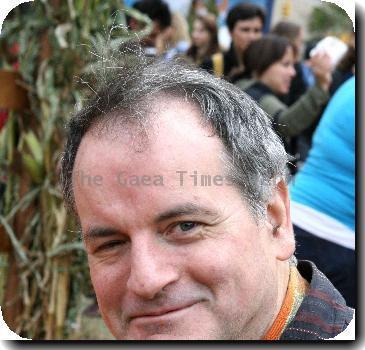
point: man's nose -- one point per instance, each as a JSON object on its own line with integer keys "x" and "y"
{"x": 151, "y": 269}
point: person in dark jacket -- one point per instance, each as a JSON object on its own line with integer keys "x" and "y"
{"x": 245, "y": 23}
{"x": 345, "y": 69}
{"x": 159, "y": 13}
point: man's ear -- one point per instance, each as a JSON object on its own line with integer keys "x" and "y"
{"x": 278, "y": 217}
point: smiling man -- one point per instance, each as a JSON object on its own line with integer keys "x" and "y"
{"x": 177, "y": 259}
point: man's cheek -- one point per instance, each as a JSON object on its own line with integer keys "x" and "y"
{"x": 211, "y": 272}
{"x": 107, "y": 285}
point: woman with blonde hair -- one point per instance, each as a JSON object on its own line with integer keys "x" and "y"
{"x": 175, "y": 41}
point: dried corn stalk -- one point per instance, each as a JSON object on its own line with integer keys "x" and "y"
{"x": 47, "y": 262}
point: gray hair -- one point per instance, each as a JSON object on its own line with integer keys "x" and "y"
{"x": 256, "y": 158}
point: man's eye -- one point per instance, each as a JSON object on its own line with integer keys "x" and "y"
{"x": 186, "y": 229}
{"x": 187, "y": 226}
{"x": 109, "y": 245}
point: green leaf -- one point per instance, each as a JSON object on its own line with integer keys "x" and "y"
{"x": 34, "y": 146}
{"x": 33, "y": 168}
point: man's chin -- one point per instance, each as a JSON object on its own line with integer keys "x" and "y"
{"x": 201, "y": 335}
{"x": 167, "y": 337}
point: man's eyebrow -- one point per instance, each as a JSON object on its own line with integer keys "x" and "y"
{"x": 98, "y": 232}
{"x": 95, "y": 232}
{"x": 185, "y": 209}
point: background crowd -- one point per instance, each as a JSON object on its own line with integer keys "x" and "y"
{"x": 307, "y": 88}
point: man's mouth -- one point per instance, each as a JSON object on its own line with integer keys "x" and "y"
{"x": 160, "y": 312}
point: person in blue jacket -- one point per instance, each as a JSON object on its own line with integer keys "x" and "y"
{"x": 323, "y": 195}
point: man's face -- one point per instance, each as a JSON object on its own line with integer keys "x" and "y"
{"x": 177, "y": 260}
{"x": 245, "y": 32}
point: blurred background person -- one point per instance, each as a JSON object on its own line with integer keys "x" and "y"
{"x": 159, "y": 12}
{"x": 204, "y": 39}
{"x": 303, "y": 79}
{"x": 323, "y": 195}
{"x": 245, "y": 23}
{"x": 345, "y": 69}
{"x": 271, "y": 60}
{"x": 199, "y": 7}
{"x": 294, "y": 34}
{"x": 175, "y": 40}
{"x": 181, "y": 6}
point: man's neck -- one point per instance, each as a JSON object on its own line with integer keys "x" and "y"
{"x": 296, "y": 290}
{"x": 283, "y": 282}
{"x": 270, "y": 309}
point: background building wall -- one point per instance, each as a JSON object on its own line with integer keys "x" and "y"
{"x": 297, "y": 11}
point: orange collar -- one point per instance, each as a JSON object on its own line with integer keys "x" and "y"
{"x": 294, "y": 295}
